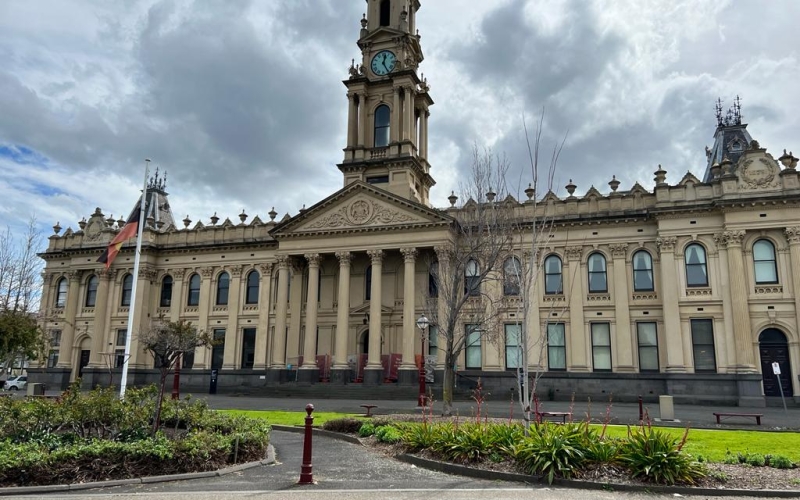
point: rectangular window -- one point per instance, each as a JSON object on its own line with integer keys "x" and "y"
{"x": 473, "y": 347}
{"x": 513, "y": 346}
{"x": 556, "y": 347}
{"x": 433, "y": 340}
{"x": 55, "y": 338}
{"x": 378, "y": 179}
{"x": 601, "y": 347}
{"x": 248, "y": 348}
{"x": 648, "y": 347}
{"x": 703, "y": 345}
{"x": 121, "y": 334}
{"x": 52, "y": 358}
{"x": 119, "y": 358}
{"x": 187, "y": 360}
{"x": 218, "y": 350}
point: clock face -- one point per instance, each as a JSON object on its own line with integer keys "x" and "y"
{"x": 383, "y": 62}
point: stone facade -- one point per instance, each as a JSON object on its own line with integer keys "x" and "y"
{"x": 690, "y": 289}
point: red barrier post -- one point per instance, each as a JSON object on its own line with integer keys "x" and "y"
{"x": 176, "y": 380}
{"x": 641, "y": 413}
{"x": 306, "y": 475}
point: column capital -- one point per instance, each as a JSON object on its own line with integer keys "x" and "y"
{"x": 147, "y": 273}
{"x": 666, "y": 243}
{"x": 443, "y": 252}
{"x": 207, "y": 272}
{"x": 793, "y": 234}
{"x": 344, "y": 258}
{"x": 74, "y": 275}
{"x": 375, "y": 255}
{"x": 265, "y": 268}
{"x": 313, "y": 259}
{"x": 236, "y": 271}
{"x": 574, "y": 253}
{"x": 283, "y": 262}
{"x": 729, "y": 238}
{"x": 104, "y": 274}
{"x": 618, "y": 250}
{"x": 409, "y": 254}
{"x": 178, "y": 274}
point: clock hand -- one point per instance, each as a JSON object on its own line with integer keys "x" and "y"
{"x": 383, "y": 63}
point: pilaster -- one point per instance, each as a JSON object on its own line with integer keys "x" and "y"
{"x": 745, "y": 358}
{"x": 232, "y": 337}
{"x": 577, "y": 328}
{"x": 264, "y": 306}
{"x": 66, "y": 355}
{"x": 375, "y": 320}
{"x": 100, "y": 314}
{"x": 625, "y": 346}
{"x": 281, "y": 310}
{"x": 669, "y": 298}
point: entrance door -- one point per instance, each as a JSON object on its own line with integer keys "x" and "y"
{"x": 84, "y": 361}
{"x": 773, "y": 348}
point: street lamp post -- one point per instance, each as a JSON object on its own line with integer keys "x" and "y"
{"x": 422, "y": 324}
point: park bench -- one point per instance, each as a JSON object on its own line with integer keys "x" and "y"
{"x": 369, "y": 409}
{"x": 563, "y": 415}
{"x": 757, "y": 416}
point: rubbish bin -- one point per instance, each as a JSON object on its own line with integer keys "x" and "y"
{"x": 35, "y": 390}
{"x": 212, "y": 389}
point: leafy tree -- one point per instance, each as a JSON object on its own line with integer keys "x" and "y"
{"x": 20, "y": 336}
{"x": 166, "y": 341}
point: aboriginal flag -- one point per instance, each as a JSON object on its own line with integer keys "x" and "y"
{"x": 128, "y": 231}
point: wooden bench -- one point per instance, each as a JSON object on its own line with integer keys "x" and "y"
{"x": 555, "y": 415}
{"x": 757, "y": 416}
{"x": 369, "y": 409}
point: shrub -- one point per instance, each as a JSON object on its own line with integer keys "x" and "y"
{"x": 657, "y": 456}
{"x": 469, "y": 443}
{"x": 504, "y": 436}
{"x": 780, "y": 462}
{"x": 346, "y": 425}
{"x": 604, "y": 451}
{"x": 552, "y": 450}
{"x": 417, "y": 437}
{"x": 387, "y": 434}
{"x": 366, "y": 430}
{"x": 756, "y": 460}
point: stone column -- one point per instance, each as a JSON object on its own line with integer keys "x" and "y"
{"x": 352, "y": 120}
{"x": 340, "y": 367}
{"x": 262, "y": 332}
{"x": 362, "y": 119}
{"x": 625, "y": 346}
{"x": 745, "y": 358}
{"x": 374, "y": 370}
{"x": 793, "y": 237}
{"x": 141, "y": 320}
{"x": 232, "y": 337}
{"x": 408, "y": 368}
{"x": 281, "y": 309}
{"x": 577, "y": 329}
{"x": 312, "y": 309}
{"x": 669, "y": 299}
{"x": 726, "y": 351}
{"x": 423, "y": 136}
{"x": 66, "y": 354}
{"x": 408, "y": 115}
{"x": 100, "y": 334}
{"x": 394, "y": 131}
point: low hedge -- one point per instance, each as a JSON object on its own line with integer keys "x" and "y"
{"x": 94, "y": 436}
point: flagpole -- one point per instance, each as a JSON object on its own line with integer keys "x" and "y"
{"x": 131, "y": 312}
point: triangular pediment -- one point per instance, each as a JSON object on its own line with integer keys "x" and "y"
{"x": 360, "y": 207}
{"x": 364, "y": 309}
{"x": 689, "y": 178}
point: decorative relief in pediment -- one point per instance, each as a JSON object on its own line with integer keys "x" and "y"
{"x": 359, "y": 213}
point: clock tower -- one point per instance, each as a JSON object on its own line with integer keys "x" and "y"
{"x": 388, "y": 102}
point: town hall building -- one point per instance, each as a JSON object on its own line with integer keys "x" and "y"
{"x": 691, "y": 288}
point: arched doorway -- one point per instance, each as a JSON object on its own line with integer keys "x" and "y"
{"x": 363, "y": 343}
{"x": 774, "y": 348}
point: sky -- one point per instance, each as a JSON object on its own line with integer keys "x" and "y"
{"x": 241, "y": 102}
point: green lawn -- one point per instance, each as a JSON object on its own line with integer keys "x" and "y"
{"x": 714, "y": 444}
{"x": 711, "y": 444}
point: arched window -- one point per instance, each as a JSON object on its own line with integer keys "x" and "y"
{"x": 512, "y": 276}
{"x": 91, "y": 291}
{"x": 223, "y": 285}
{"x": 643, "y": 272}
{"x": 553, "y": 284}
{"x": 127, "y": 288}
{"x": 472, "y": 278}
{"x": 368, "y": 283}
{"x": 382, "y": 115}
{"x": 433, "y": 279}
{"x": 764, "y": 260}
{"x": 696, "y": 271}
{"x": 166, "y": 292}
{"x": 193, "y": 297}
{"x": 386, "y": 11}
{"x": 61, "y": 292}
{"x": 251, "y": 297}
{"x": 597, "y": 274}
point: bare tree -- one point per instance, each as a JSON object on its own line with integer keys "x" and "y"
{"x": 166, "y": 341}
{"x": 463, "y": 295}
{"x": 20, "y": 336}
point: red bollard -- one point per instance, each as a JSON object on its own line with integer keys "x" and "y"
{"x": 641, "y": 413}
{"x": 306, "y": 476}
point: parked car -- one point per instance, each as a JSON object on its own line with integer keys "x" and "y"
{"x": 17, "y": 383}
